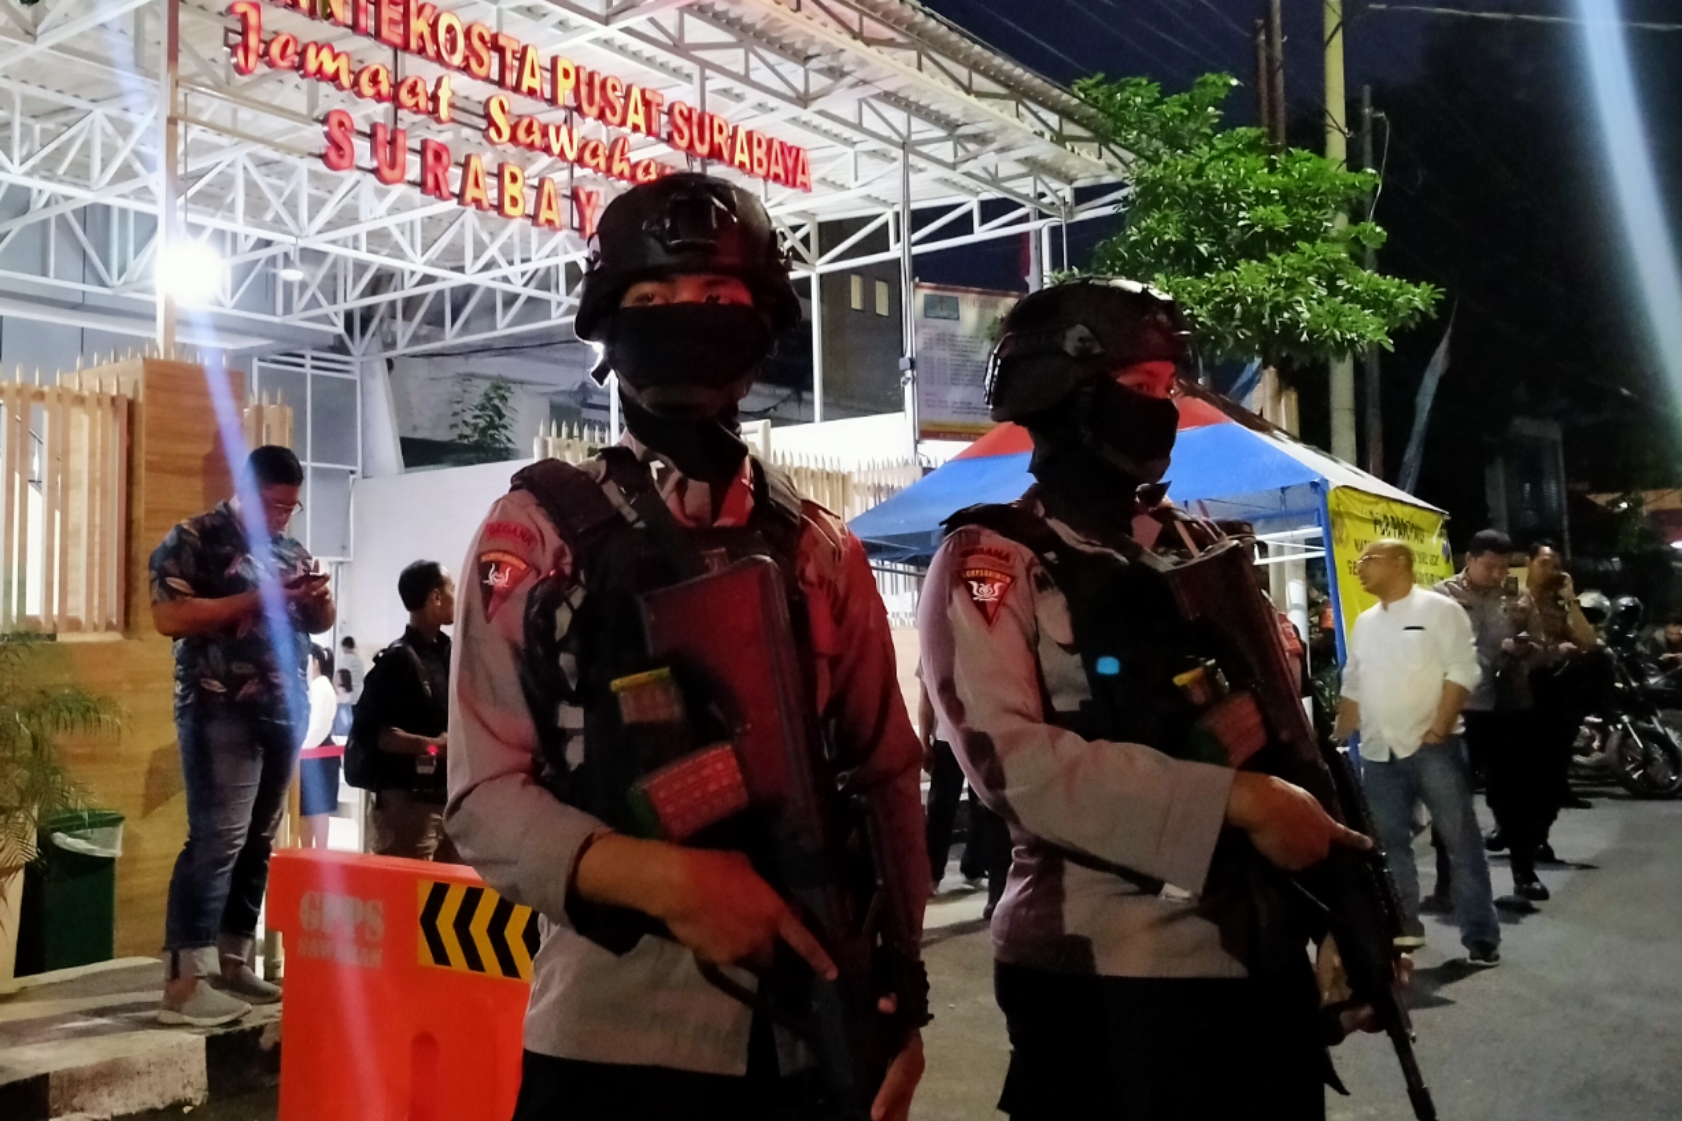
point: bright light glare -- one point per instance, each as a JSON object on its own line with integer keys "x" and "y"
{"x": 191, "y": 271}
{"x": 292, "y": 274}
{"x": 1677, "y": 545}
{"x": 1633, "y": 180}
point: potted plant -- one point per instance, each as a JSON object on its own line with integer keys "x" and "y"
{"x": 34, "y": 785}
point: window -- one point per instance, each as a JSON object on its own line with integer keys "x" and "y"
{"x": 882, "y": 305}
{"x": 857, "y": 293}
{"x": 939, "y": 307}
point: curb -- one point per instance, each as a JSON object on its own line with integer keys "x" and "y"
{"x": 149, "y": 1070}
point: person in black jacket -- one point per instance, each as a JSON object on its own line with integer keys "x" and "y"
{"x": 401, "y": 725}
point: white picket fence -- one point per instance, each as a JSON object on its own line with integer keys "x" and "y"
{"x": 64, "y": 462}
{"x": 847, "y": 491}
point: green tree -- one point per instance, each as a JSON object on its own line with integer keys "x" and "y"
{"x": 486, "y": 424}
{"x": 1246, "y": 237}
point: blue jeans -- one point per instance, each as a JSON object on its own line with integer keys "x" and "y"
{"x": 237, "y": 766}
{"x": 1440, "y": 776}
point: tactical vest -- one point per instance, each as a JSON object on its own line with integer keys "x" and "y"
{"x": 625, "y": 543}
{"x": 1128, "y": 632}
{"x": 1133, "y": 642}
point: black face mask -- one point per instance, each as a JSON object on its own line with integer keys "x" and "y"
{"x": 1097, "y": 449}
{"x": 1133, "y": 431}
{"x": 687, "y": 361}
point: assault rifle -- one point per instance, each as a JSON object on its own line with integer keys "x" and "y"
{"x": 1351, "y": 891}
{"x": 728, "y": 651}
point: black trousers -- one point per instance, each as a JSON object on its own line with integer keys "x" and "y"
{"x": 1149, "y": 1049}
{"x": 1522, "y": 791}
{"x": 554, "y": 1089}
{"x": 987, "y": 850}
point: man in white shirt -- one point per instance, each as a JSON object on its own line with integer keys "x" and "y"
{"x": 1411, "y": 667}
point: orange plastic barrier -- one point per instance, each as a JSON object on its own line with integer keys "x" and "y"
{"x": 406, "y": 987}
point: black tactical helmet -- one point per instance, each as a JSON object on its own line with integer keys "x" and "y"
{"x": 1060, "y": 337}
{"x": 684, "y": 223}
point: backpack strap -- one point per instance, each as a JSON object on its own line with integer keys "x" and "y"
{"x": 574, "y": 501}
{"x": 1014, "y": 521}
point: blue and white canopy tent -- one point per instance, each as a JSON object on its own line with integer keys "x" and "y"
{"x": 1228, "y": 464}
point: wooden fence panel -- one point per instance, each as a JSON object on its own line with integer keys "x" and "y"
{"x": 63, "y": 468}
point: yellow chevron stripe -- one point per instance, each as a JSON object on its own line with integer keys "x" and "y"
{"x": 423, "y": 888}
{"x": 480, "y": 925}
{"x": 447, "y": 925}
{"x": 516, "y": 944}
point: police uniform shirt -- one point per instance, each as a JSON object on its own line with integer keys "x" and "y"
{"x": 651, "y": 1006}
{"x": 999, "y": 661}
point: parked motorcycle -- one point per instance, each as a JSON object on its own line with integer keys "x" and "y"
{"x": 1634, "y": 733}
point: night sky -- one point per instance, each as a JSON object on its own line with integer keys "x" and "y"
{"x": 1173, "y": 41}
{"x": 1497, "y": 190}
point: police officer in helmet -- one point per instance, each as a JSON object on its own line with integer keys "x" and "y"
{"x": 684, "y": 293}
{"x": 1121, "y": 979}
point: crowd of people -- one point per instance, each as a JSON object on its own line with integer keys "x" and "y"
{"x": 1132, "y": 863}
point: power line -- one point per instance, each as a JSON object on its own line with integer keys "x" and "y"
{"x": 1521, "y": 17}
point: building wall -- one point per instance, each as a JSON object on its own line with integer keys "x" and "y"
{"x": 176, "y": 470}
{"x": 422, "y": 515}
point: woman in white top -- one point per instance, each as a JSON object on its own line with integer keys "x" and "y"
{"x": 318, "y": 766}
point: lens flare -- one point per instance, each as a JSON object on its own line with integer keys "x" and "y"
{"x": 1633, "y": 181}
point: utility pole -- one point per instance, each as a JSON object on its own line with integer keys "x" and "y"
{"x": 1337, "y": 151}
{"x": 1375, "y": 405}
{"x": 1276, "y": 73}
{"x": 1264, "y": 80}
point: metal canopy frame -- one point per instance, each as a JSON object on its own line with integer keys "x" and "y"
{"x": 897, "y": 109}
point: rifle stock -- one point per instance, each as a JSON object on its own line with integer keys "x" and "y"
{"x": 1216, "y": 591}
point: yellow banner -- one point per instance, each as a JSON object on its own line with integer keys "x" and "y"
{"x": 1358, "y": 519}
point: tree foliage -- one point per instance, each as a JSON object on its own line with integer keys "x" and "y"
{"x": 486, "y": 424}
{"x": 1243, "y": 236}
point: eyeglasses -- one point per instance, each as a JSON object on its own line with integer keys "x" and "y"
{"x": 288, "y": 508}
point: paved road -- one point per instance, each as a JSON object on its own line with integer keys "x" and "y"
{"x": 1583, "y": 1019}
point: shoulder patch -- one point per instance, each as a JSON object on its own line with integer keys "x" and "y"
{"x": 987, "y": 583}
{"x": 509, "y": 531}
{"x": 499, "y": 574}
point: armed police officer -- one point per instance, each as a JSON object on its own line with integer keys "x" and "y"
{"x": 643, "y": 1002}
{"x": 1131, "y": 987}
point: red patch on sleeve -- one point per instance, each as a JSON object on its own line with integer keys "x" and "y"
{"x": 513, "y": 531}
{"x": 499, "y": 575}
{"x": 987, "y": 588}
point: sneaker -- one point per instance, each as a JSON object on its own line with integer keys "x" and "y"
{"x": 1494, "y": 842}
{"x": 1532, "y": 889}
{"x": 1483, "y": 955}
{"x": 247, "y": 986}
{"x": 206, "y": 1008}
{"x": 1412, "y": 936}
{"x": 1435, "y": 904}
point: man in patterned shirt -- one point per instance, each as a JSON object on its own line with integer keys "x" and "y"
{"x": 241, "y": 618}
{"x": 637, "y": 1008}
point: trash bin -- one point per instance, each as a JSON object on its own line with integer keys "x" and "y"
{"x": 70, "y": 893}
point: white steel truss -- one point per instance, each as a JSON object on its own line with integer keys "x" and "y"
{"x": 865, "y": 86}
